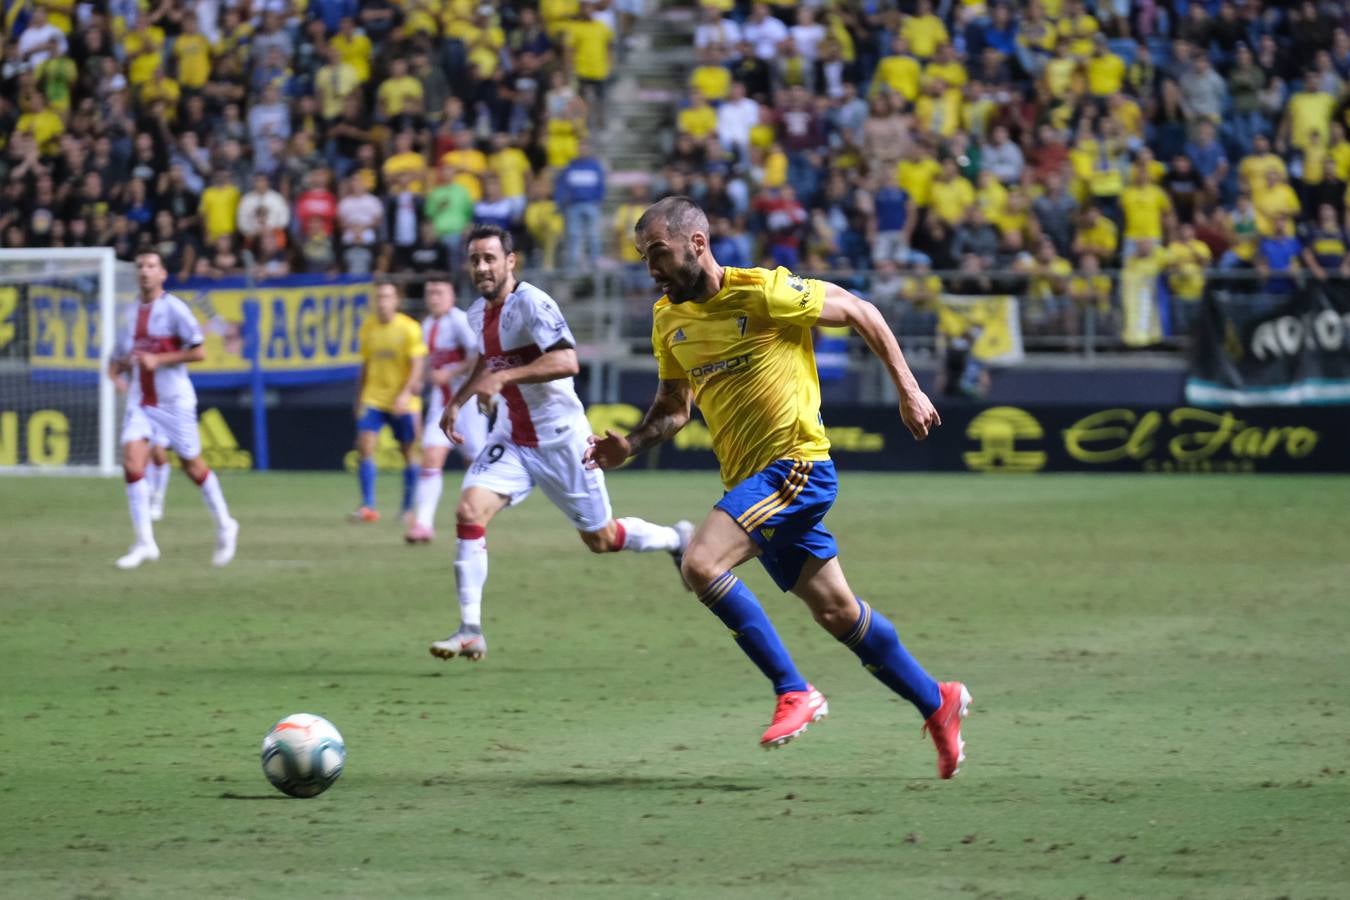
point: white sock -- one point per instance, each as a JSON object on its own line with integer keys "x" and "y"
{"x": 158, "y": 476}
{"x": 215, "y": 500}
{"x": 428, "y": 494}
{"x": 138, "y": 501}
{"x": 471, "y": 569}
{"x": 642, "y": 536}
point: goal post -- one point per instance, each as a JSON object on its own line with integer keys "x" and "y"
{"x": 58, "y": 321}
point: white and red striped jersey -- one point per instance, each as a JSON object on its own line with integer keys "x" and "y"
{"x": 160, "y": 326}
{"x": 516, "y": 333}
{"x": 450, "y": 340}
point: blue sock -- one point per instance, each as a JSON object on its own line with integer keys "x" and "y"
{"x": 365, "y": 473}
{"x": 874, "y": 639}
{"x": 409, "y": 486}
{"x": 732, "y": 602}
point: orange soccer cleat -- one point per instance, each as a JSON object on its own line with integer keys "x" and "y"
{"x": 945, "y": 727}
{"x": 795, "y": 711}
{"x": 365, "y": 514}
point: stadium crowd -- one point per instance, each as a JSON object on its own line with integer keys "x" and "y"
{"x": 1058, "y": 139}
{"x": 279, "y": 137}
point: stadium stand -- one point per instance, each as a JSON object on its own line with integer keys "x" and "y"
{"x": 1031, "y": 146}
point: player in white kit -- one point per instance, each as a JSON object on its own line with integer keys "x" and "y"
{"x": 154, "y": 346}
{"x": 452, "y": 350}
{"x": 527, "y": 357}
{"x": 157, "y": 472}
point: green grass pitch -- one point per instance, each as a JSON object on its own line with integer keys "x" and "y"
{"x": 1159, "y": 668}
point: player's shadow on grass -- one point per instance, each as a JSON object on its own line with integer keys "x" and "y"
{"x": 231, "y": 795}
{"x": 640, "y": 782}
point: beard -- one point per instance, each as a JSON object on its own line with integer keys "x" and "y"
{"x": 689, "y": 283}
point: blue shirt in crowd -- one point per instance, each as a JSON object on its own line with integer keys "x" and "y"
{"x": 583, "y": 181}
{"x": 892, "y": 206}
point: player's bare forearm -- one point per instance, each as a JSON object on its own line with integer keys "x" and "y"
{"x": 447, "y": 374}
{"x": 843, "y": 309}
{"x": 465, "y": 392}
{"x": 669, "y": 413}
{"x": 552, "y": 365}
{"x": 190, "y": 355}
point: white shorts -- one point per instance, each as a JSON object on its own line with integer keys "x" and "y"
{"x": 472, "y": 424}
{"x": 504, "y": 467}
{"x": 164, "y": 426}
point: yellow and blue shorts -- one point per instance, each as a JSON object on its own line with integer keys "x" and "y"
{"x": 782, "y": 508}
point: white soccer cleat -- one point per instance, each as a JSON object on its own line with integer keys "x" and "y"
{"x": 138, "y": 554}
{"x": 470, "y": 645}
{"x": 227, "y": 536}
{"x": 685, "y": 529}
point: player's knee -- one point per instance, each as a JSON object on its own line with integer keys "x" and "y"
{"x": 838, "y": 617}
{"x": 698, "y": 571}
{"x": 467, "y": 513}
{"x": 132, "y": 473}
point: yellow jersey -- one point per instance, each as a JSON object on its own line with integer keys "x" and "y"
{"x": 747, "y": 352}
{"x": 1310, "y": 118}
{"x": 713, "y": 82}
{"x": 1188, "y": 261}
{"x": 924, "y": 34}
{"x": 1144, "y": 208}
{"x": 355, "y": 51}
{"x": 1105, "y": 74}
{"x": 193, "y": 55}
{"x": 900, "y": 74}
{"x": 218, "y": 207}
{"x": 590, "y": 42}
{"x": 951, "y": 200}
{"x": 388, "y": 351}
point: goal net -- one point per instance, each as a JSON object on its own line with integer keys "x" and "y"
{"x": 58, "y": 312}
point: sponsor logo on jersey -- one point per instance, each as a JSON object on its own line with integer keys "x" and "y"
{"x": 505, "y": 361}
{"x": 734, "y": 364}
{"x": 679, "y": 335}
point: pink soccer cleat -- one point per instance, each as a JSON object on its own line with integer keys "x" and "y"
{"x": 795, "y": 711}
{"x": 944, "y": 726}
{"x": 418, "y": 534}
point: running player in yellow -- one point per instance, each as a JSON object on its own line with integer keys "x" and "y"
{"x": 387, "y": 392}
{"x": 738, "y": 342}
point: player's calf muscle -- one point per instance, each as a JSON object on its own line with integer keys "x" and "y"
{"x": 601, "y": 541}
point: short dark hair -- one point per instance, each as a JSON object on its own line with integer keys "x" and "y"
{"x": 483, "y": 232}
{"x": 679, "y": 214}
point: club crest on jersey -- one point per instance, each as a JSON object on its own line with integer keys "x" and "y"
{"x": 679, "y": 335}
{"x": 796, "y": 283}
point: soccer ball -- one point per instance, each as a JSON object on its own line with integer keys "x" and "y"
{"x": 302, "y": 755}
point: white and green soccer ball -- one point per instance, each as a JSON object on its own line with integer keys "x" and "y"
{"x": 303, "y": 755}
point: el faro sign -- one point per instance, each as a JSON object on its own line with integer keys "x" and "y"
{"x": 1182, "y": 439}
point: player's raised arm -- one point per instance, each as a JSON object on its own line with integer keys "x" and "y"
{"x": 842, "y": 308}
{"x": 668, "y": 414}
